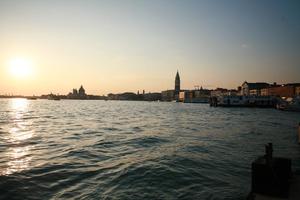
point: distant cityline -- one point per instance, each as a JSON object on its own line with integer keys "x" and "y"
{"x": 197, "y": 95}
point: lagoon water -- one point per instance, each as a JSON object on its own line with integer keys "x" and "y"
{"x": 72, "y": 149}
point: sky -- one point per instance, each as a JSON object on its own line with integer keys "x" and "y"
{"x": 130, "y": 45}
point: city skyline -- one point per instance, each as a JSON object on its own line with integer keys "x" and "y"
{"x": 118, "y": 46}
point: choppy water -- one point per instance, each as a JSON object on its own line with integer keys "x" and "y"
{"x": 135, "y": 150}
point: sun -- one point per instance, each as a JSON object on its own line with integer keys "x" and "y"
{"x": 20, "y": 67}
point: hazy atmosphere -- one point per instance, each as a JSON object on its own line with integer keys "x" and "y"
{"x": 118, "y": 46}
{"x": 149, "y": 99}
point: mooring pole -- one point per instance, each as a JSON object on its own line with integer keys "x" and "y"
{"x": 299, "y": 133}
{"x": 269, "y": 153}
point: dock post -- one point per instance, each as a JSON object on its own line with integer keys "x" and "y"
{"x": 271, "y": 175}
{"x": 299, "y": 133}
{"x": 269, "y": 153}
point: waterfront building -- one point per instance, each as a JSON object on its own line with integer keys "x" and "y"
{"x": 167, "y": 95}
{"x": 112, "y": 96}
{"x": 286, "y": 90}
{"x": 171, "y": 95}
{"x": 264, "y": 92}
{"x": 255, "y": 92}
{"x": 75, "y": 92}
{"x": 130, "y": 96}
{"x": 239, "y": 90}
{"x": 127, "y": 96}
{"x": 194, "y": 96}
{"x": 218, "y": 92}
{"x": 78, "y": 94}
{"x": 81, "y": 92}
{"x": 223, "y": 92}
{"x": 233, "y": 92}
{"x": 254, "y": 88}
{"x": 297, "y": 91}
{"x": 152, "y": 96}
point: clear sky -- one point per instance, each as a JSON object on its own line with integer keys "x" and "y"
{"x": 117, "y": 46}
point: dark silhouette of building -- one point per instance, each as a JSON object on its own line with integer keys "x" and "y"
{"x": 167, "y": 95}
{"x": 129, "y": 96}
{"x": 177, "y": 86}
{"x": 171, "y": 95}
{"x": 198, "y": 95}
{"x": 78, "y": 94}
{"x": 81, "y": 92}
{"x": 75, "y": 92}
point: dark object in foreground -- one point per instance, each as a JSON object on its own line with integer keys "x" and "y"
{"x": 299, "y": 133}
{"x": 270, "y": 175}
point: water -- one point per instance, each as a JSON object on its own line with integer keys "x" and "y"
{"x": 135, "y": 150}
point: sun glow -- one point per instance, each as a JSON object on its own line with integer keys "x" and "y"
{"x": 20, "y": 67}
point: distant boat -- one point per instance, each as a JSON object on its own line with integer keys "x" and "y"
{"x": 289, "y": 104}
{"x": 243, "y": 101}
{"x": 31, "y": 98}
{"x": 56, "y": 98}
{"x": 196, "y": 100}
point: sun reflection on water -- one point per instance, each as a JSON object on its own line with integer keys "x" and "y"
{"x": 19, "y": 152}
{"x": 19, "y": 104}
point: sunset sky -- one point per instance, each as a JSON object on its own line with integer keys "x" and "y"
{"x": 117, "y": 46}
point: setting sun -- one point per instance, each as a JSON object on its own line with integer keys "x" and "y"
{"x": 20, "y": 67}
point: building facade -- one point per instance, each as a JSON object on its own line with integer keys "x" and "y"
{"x": 286, "y": 90}
{"x": 78, "y": 94}
{"x": 264, "y": 92}
{"x": 194, "y": 96}
{"x": 167, "y": 95}
{"x": 223, "y": 92}
{"x": 81, "y": 92}
{"x": 254, "y": 88}
{"x": 255, "y": 92}
{"x": 297, "y": 91}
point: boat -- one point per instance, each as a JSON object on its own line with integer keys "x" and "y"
{"x": 273, "y": 178}
{"x": 289, "y": 104}
{"x": 243, "y": 101}
{"x": 31, "y": 98}
{"x": 53, "y": 97}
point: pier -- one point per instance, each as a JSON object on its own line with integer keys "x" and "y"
{"x": 243, "y": 101}
{"x": 272, "y": 178}
{"x": 299, "y": 133}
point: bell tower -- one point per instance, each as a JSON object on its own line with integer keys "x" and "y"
{"x": 177, "y": 85}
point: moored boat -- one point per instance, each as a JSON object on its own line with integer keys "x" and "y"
{"x": 31, "y": 98}
{"x": 289, "y": 104}
{"x": 243, "y": 101}
{"x": 53, "y": 97}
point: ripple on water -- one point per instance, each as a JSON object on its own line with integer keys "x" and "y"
{"x": 146, "y": 141}
{"x": 120, "y": 150}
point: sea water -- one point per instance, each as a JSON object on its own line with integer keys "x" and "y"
{"x": 73, "y": 149}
